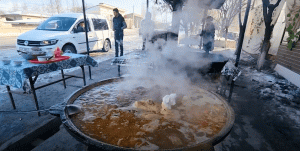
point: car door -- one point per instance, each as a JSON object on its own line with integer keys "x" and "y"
{"x": 105, "y": 29}
{"x": 79, "y": 36}
{"x": 101, "y": 34}
{"x": 92, "y": 37}
{"x": 98, "y": 32}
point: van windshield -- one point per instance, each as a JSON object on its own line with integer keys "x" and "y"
{"x": 57, "y": 24}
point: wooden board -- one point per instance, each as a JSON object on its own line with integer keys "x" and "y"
{"x": 289, "y": 58}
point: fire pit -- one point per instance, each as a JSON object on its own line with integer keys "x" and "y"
{"x": 114, "y": 120}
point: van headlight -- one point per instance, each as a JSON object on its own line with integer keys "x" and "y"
{"x": 48, "y": 42}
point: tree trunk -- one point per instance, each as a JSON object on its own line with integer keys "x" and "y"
{"x": 176, "y": 21}
{"x": 265, "y": 47}
{"x": 186, "y": 27}
{"x": 268, "y": 11}
{"x": 266, "y": 44}
{"x": 263, "y": 55}
{"x": 226, "y": 33}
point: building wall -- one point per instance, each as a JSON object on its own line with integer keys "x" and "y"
{"x": 255, "y": 29}
{"x": 22, "y": 17}
{"x": 108, "y": 13}
{"x": 15, "y": 30}
{"x": 32, "y": 17}
{"x": 137, "y": 21}
{"x": 289, "y": 58}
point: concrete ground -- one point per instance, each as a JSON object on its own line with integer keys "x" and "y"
{"x": 258, "y": 126}
{"x": 20, "y": 122}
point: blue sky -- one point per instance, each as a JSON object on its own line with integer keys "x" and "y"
{"x": 125, "y": 4}
{"x": 6, "y": 5}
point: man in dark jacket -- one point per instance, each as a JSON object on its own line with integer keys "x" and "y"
{"x": 208, "y": 35}
{"x": 119, "y": 25}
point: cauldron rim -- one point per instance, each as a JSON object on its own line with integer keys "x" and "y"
{"x": 89, "y": 141}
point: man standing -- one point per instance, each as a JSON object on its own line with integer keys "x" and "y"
{"x": 208, "y": 35}
{"x": 119, "y": 25}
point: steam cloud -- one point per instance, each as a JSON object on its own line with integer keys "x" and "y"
{"x": 169, "y": 64}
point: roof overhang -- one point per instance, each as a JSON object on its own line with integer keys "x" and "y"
{"x": 111, "y": 7}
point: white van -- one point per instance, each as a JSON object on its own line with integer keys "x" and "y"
{"x": 64, "y": 31}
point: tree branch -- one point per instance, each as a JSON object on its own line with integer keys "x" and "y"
{"x": 266, "y": 2}
{"x": 278, "y": 2}
{"x": 265, "y": 12}
{"x": 273, "y": 6}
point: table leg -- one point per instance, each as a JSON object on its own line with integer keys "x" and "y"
{"x": 34, "y": 95}
{"x": 63, "y": 76}
{"x": 83, "y": 74}
{"x": 90, "y": 72}
{"x": 11, "y": 97}
{"x": 119, "y": 70}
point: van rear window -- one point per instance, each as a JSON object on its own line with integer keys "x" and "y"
{"x": 100, "y": 24}
{"x": 57, "y": 24}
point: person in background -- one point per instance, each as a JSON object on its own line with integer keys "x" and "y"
{"x": 81, "y": 27}
{"x": 208, "y": 35}
{"x": 119, "y": 25}
{"x": 147, "y": 28}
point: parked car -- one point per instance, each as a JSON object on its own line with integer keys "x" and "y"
{"x": 64, "y": 31}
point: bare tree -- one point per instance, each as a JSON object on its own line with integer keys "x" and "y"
{"x": 77, "y": 8}
{"x": 24, "y": 8}
{"x": 55, "y": 7}
{"x": 268, "y": 10}
{"x": 58, "y": 6}
{"x": 227, "y": 14}
{"x": 154, "y": 13}
{"x": 144, "y": 9}
{"x": 51, "y": 7}
{"x": 15, "y": 7}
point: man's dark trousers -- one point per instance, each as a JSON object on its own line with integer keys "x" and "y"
{"x": 119, "y": 42}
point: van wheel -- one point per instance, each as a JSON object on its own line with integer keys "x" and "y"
{"x": 69, "y": 49}
{"x": 106, "y": 45}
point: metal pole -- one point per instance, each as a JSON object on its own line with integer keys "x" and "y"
{"x": 147, "y": 5}
{"x": 240, "y": 44}
{"x": 239, "y": 49}
{"x": 133, "y": 18}
{"x": 86, "y": 35}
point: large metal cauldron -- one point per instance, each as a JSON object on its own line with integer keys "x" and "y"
{"x": 93, "y": 143}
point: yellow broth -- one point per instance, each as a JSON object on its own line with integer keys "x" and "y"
{"x": 109, "y": 116}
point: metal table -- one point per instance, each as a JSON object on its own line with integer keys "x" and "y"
{"x": 16, "y": 76}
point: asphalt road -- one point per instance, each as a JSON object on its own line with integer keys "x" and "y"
{"x": 132, "y": 41}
